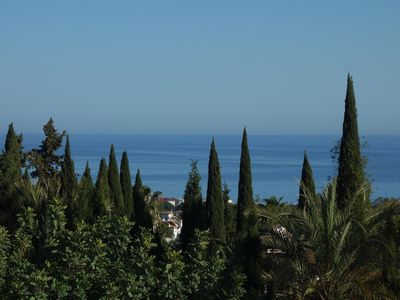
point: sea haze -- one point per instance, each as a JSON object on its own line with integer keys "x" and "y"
{"x": 164, "y": 160}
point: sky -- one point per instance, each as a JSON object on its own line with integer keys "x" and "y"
{"x": 191, "y": 67}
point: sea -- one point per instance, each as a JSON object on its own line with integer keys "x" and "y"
{"x": 276, "y": 160}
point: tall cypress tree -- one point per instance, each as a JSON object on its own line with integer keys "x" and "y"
{"x": 245, "y": 189}
{"x": 192, "y": 207}
{"x": 116, "y": 195}
{"x": 351, "y": 170}
{"x": 82, "y": 207}
{"x": 248, "y": 247}
{"x": 142, "y": 217}
{"x": 10, "y": 176}
{"x": 307, "y": 185}
{"x": 214, "y": 201}
{"x": 69, "y": 183}
{"x": 126, "y": 185}
{"x": 102, "y": 204}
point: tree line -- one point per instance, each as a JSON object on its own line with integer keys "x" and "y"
{"x": 67, "y": 238}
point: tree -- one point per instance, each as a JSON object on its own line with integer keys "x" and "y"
{"x": 307, "y": 185}
{"x": 192, "y": 207}
{"x": 152, "y": 206}
{"x": 229, "y": 216}
{"x": 204, "y": 272}
{"x": 69, "y": 183}
{"x": 245, "y": 190}
{"x": 248, "y": 244}
{"x": 215, "y": 202}
{"x": 114, "y": 183}
{"x": 45, "y": 160}
{"x": 141, "y": 216}
{"x": 126, "y": 185}
{"x": 351, "y": 176}
{"x": 102, "y": 205}
{"x": 82, "y": 207}
{"x": 10, "y": 175}
{"x": 317, "y": 253}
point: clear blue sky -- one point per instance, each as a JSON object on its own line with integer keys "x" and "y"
{"x": 198, "y": 66}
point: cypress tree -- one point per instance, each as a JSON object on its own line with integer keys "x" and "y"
{"x": 245, "y": 190}
{"x": 69, "y": 183}
{"x": 102, "y": 204}
{"x": 126, "y": 185}
{"x": 139, "y": 204}
{"x": 114, "y": 183}
{"x": 192, "y": 207}
{"x": 82, "y": 206}
{"x": 214, "y": 201}
{"x": 351, "y": 170}
{"x": 10, "y": 175}
{"x": 307, "y": 185}
{"x": 248, "y": 247}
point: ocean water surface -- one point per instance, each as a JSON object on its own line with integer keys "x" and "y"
{"x": 164, "y": 160}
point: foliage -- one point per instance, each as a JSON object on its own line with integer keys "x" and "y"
{"x": 192, "y": 209}
{"x": 152, "y": 206}
{"x": 245, "y": 190}
{"x": 69, "y": 183}
{"x": 326, "y": 252}
{"x": 273, "y": 202}
{"x": 102, "y": 204}
{"x": 248, "y": 255}
{"x": 204, "y": 272}
{"x": 103, "y": 260}
{"x": 307, "y": 185}
{"x": 214, "y": 202}
{"x": 45, "y": 161}
{"x": 142, "y": 216}
{"x": 273, "y": 250}
{"x": 114, "y": 183}
{"x": 126, "y": 185}
{"x": 82, "y": 206}
{"x": 229, "y": 217}
{"x": 11, "y": 199}
{"x": 351, "y": 177}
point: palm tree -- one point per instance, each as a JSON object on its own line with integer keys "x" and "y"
{"x": 328, "y": 253}
{"x": 152, "y": 200}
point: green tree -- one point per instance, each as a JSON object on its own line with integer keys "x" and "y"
{"x": 171, "y": 278}
{"x": 45, "y": 160}
{"x": 204, "y": 271}
{"x": 82, "y": 207}
{"x": 114, "y": 183}
{"x": 248, "y": 244}
{"x": 126, "y": 185}
{"x": 307, "y": 185}
{"x": 69, "y": 182}
{"x": 102, "y": 205}
{"x": 215, "y": 202}
{"x": 142, "y": 217}
{"x": 11, "y": 199}
{"x": 192, "y": 207}
{"x": 351, "y": 176}
{"x": 318, "y": 254}
{"x": 229, "y": 216}
{"x": 245, "y": 201}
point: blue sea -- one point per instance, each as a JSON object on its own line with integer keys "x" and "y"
{"x": 164, "y": 160}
